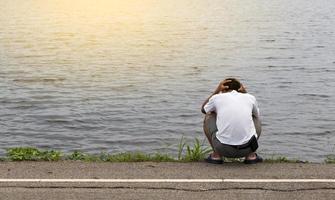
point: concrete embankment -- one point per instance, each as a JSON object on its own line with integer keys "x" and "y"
{"x": 102, "y": 180}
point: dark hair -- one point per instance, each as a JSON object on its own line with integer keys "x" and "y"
{"x": 234, "y": 84}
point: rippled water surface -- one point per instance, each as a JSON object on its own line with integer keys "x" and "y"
{"x": 110, "y": 75}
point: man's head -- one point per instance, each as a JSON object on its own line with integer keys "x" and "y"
{"x": 233, "y": 84}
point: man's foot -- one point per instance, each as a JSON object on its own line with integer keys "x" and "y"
{"x": 253, "y": 159}
{"x": 214, "y": 159}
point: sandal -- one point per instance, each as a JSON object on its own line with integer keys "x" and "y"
{"x": 209, "y": 159}
{"x": 254, "y": 161}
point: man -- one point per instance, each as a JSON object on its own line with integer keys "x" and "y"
{"x": 232, "y": 123}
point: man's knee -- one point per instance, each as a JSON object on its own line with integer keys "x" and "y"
{"x": 210, "y": 116}
{"x": 210, "y": 123}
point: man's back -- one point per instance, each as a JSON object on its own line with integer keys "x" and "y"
{"x": 234, "y": 116}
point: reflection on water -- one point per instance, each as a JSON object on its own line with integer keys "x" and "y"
{"x": 131, "y": 75}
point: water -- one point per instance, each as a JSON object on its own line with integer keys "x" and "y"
{"x": 131, "y": 75}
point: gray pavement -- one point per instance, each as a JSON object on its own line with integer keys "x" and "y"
{"x": 151, "y": 170}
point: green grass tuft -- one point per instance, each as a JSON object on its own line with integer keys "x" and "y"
{"x": 330, "y": 159}
{"x": 282, "y": 159}
{"x": 162, "y": 158}
{"x": 128, "y": 157}
{"x": 78, "y": 155}
{"x": 139, "y": 157}
{"x": 181, "y": 146}
{"x": 195, "y": 153}
{"x": 32, "y": 154}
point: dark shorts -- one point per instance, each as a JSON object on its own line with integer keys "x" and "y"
{"x": 225, "y": 150}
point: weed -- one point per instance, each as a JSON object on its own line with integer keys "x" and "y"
{"x": 330, "y": 159}
{"x": 162, "y": 158}
{"x": 129, "y": 157}
{"x": 197, "y": 153}
{"x": 181, "y": 146}
{"x": 78, "y": 155}
{"x": 283, "y": 159}
{"x": 32, "y": 154}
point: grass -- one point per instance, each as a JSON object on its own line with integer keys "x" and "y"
{"x": 186, "y": 153}
{"x": 194, "y": 153}
{"x": 330, "y": 159}
{"x": 78, "y": 155}
{"x": 32, "y": 154}
{"x": 282, "y": 159}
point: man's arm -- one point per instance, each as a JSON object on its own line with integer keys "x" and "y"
{"x": 256, "y": 119}
{"x": 203, "y": 105}
{"x": 221, "y": 88}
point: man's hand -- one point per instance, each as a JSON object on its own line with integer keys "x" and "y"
{"x": 221, "y": 87}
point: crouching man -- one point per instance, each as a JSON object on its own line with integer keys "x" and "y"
{"x": 232, "y": 123}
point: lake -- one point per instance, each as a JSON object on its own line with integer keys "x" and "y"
{"x": 131, "y": 75}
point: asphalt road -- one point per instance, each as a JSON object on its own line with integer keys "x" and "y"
{"x": 151, "y": 170}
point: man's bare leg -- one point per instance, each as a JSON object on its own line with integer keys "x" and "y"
{"x": 208, "y": 118}
{"x": 257, "y": 123}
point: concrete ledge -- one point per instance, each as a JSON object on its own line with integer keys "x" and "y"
{"x": 70, "y": 170}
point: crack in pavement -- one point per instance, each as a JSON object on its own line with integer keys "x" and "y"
{"x": 172, "y": 188}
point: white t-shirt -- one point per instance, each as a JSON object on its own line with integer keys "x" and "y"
{"x": 234, "y": 116}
